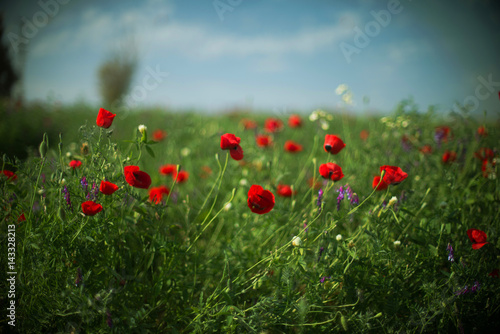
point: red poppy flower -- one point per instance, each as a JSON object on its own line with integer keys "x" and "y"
{"x": 156, "y": 194}
{"x": 442, "y": 132}
{"x": 230, "y": 142}
{"x": 488, "y": 167}
{"x": 382, "y": 184}
{"x": 260, "y": 201}
{"x": 10, "y": 175}
{"x": 292, "y": 147}
{"x": 273, "y": 125}
{"x": 449, "y": 156}
{"x": 294, "y": 121}
{"x": 481, "y": 131}
{"x": 205, "y": 172}
{"x": 263, "y": 140}
{"x": 91, "y": 208}
{"x": 484, "y": 153}
{"x": 137, "y": 178}
{"x": 331, "y": 171}
{"x": 284, "y": 190}
{"x": 248, "y": 124}
{"x": 21, "y": 218}
{"x": 426, "y": 149}
{"x": 107, "y": 188}
{"x": 495, "y": 273}
{"x": 393, "y": 175}
{"x": 75, "y": 163}
{"x": 159, "y": 135}
{"x": 104, "y": 118}
{"x": 168, "y": 169}
{"x": 477, "y": 237}
{"x": 333, "y": 144}
{"x": 364, "y": 135}
{"x": 180, "y": 177}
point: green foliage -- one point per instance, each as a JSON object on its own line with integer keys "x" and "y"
{"x": 200, "y": 261}
{"x": 115, "y": 75}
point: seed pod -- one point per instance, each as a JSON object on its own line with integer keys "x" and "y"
{"x": 44, "y": 145}
{"x": 343, "y": 321}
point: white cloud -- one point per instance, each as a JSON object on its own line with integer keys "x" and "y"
{"x": 97, "y": 30}
{"x": 198, "y": 42}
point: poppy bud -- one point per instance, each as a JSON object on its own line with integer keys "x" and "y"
{"x": 144, "y": 131}
{"x": 296, "y": 241}
{"x": 44, "y": 145}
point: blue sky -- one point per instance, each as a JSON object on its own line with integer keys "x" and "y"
{"x": 269, "y": 55}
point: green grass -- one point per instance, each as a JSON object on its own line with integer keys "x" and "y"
{"x": 196, "y": 264}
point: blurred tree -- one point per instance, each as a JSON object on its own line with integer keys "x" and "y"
{"x": 8, "y": 76}
{"x": 115, "y": 75}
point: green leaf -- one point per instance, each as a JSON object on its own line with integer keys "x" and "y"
{"x": 150, "y": 260}
{"x": 150, "y": 151}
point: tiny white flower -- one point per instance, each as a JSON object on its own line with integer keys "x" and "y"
{"x": 243, "y": 182}
{"x": 338, "y": 237}
{"x": 296, "y": 241}
{"x": 324, "y": 124}
{"x": 63, "y": 181}
{"x": 397, "y": 243}
{"x": 185, "y": 151}
{"x": 392, "y": 201}
{"x": 341, "y": 89}
{"x": 313, "y": 116}
{"x": 142, "y": 128}
{"x": 347, "y": 98}
{"x": 68, "y": 154}
{"x": 227, "y": 207}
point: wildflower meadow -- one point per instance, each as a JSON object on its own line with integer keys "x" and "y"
{"x": 317, "y": 222}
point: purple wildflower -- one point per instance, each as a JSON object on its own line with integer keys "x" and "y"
{"x": 355, "y": 199}
{"x": 67, "y": 197}
{"x": 405, "y": 143}
{"x": 320, "y": 199}
{"x": 348, "y": 192}
{"x": 84, "y": 183}
{"x": 466, "y": 289}
{"x": 322, "y": 280}
{"x": 79, "y": 277}
{"x": 340, "y": 197}
{"x": 451, "y": 257}
{"x": 462, "y": 291}
{"x": 475, "y": 287}
{"x": 92, "y": 195}
{"x": 320, "y": 252}
{"x": 305, "y": 226}
{"x": 109, "y": 321}
{"x": 439, "y": 135}
{"x": 403, "y": 196}
{"x": 36, "y": 206}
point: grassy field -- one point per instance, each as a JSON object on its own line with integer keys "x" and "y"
{"x": 330, "y": 256}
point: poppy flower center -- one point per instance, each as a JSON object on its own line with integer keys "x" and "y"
{"x": 328, "y": 147}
